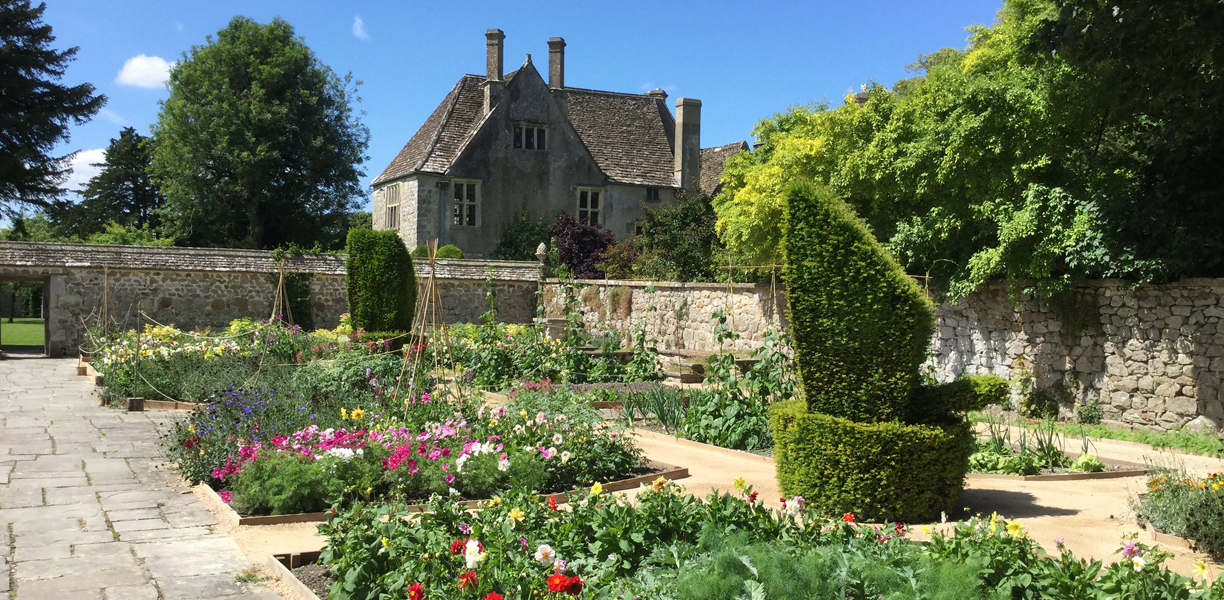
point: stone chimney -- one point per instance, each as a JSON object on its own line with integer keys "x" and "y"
{"x": 688, "y": 144}
{"x": 494, "y": 84}
{"x": 556, "y": 63}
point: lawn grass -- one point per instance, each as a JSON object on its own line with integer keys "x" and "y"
{"x": 1206, "y": 443}
{"x": 23, "y": 331}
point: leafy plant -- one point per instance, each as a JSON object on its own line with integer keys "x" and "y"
{"x": 1089, "y": 413}
{"x": 380, "y": 280}
{"x": 580, "y": 246}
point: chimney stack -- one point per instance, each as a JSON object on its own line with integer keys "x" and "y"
{"x": 688, "y": 144}
{"x": 493, "y": 85}
{"x": 556, "y": 63}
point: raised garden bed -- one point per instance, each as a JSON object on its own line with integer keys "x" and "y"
{"x": 1165, "y": 539}
{"x": 665, "y": 471}
{"x": 1122, "y": 470}
{"x": 315, "y": 578}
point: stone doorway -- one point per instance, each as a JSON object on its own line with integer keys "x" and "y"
{"x": 25, "y": 304}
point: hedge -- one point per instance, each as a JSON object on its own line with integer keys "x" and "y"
{"x": 862, "y": 327}
{"x": 879, "y": 471}
{"x": 948, "y": 402}
{"x": 380, "y": 280}
{"x": 449, "y": 251}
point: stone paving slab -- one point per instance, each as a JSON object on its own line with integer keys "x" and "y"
{"x": 88, "y": 509}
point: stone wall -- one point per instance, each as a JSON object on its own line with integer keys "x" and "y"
{"x": 680, "y": 316}
{"x": 195, "y": 287}
{"x": 1152, "y": 355}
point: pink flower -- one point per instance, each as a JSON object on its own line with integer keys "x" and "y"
{"x": 450, "y": 478}
{"x": 226, "y": 495}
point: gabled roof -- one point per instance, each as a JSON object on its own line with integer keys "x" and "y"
{"x": 436, "y": 144}
{"x": 628, "y": 135}
{"x": 712, "y": 162}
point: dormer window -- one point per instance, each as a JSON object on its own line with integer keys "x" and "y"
{"x": 530, "y": 137}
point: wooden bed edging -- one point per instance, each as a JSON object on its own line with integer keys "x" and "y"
{"x": 668, "y": 472}
{"x": 1062, "y": 476}
{"x": 1172, "y": 540}
{"x": 281, "y": 566}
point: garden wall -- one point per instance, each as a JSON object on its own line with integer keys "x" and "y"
{"x": 197, "y": 287}
{"x": 1152, "y": 355}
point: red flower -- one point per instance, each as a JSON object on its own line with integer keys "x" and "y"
{"x": 457, "y": 546}
{"x": 848, "y": 517}
{"x": 573, "y": 585}
{"x": 494, "y": 596}
{"x": 752, "y": 498}
{"x": 416, "y": 592}
{"x": 467, "y": 579}
{"x": 552, "y": 502}
{"x": 557, "y": 582}
{"x": 191, "y": 442}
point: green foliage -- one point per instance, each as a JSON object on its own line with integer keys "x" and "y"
{"x": 125, "y": 235}
{"x": 519, "y": 239}
{"x": 1089, "y": 413}
{"x": 284, "y": 484}
{"x": 421, "y": 251}
{"x": 676, "y": 243}
{"x": 381, "y": 281}
{"x": 1179, "y": 504}
{"x": 122, "y": 195}
{"x": 449, "y": 251}
{"x": 861, "y": 326}
{"x": 880, "y": 470}
{"x": 258, "y": 143}
{"x": 1068, "y": 140}
{"x": 36, "y": 110}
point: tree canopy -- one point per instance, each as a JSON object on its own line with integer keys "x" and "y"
{"x": 35, "y": 109}
{"x": 1056, "y": 146}
{"x": 258, "y": 143}
{"x": 122, "y": 192}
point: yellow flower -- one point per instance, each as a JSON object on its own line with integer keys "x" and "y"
{"x": 597, "y": 489}
{"x": 385, "y": 544}
{"x": 1015, "y": 530}
{"x": 496, "y": 501}
{"x": 343, "y": 414}
{"x": 357, "y": 414}
{"x": 1200, "y": 569}
{"x": 740, "y": 484}
{"x": 368, "y": 490}
{"x": 516, "y": 514}
{"x": 658, "y": 484}
{"x": 926, "y": 529}
{"x": 492, "y": 422}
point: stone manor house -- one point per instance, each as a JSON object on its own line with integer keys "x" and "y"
{"x": 500, "y": 142}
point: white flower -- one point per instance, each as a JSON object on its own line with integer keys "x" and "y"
{"x": 341, "y": 453}
{"x": 472, "y": 554}
{"x": 503, "y": 464}
{"x": 453, "y": 492}
{"x": 1138, "y": 562}
{"x": 565, "y": 456}
{"x": 557, "y": 439}
{"x": 545, "y": 555}
{"x": 459, "y": 463}
{"x": 518, "y": 429}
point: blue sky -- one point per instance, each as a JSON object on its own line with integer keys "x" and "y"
{"x": 744, "y": 60}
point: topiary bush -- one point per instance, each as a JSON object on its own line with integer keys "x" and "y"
{"x": 421, "y": 251}
{"x": 879, "y": 470}
{"x": 380, "y": 280}
{"x": 866, "y": 326}
{"x": 449, "y": 251}
{"x": 867, "y": 439}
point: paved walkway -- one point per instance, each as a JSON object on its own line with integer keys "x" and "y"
{"x": 88, "y": 510}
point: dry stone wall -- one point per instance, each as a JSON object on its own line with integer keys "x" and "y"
{"x": 196, "y": 287}
{"x": 1153, "y": 356}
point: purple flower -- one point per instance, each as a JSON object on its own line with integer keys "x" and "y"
{"x": 450, "y": 478}
{"x": 465, "y": 529}
{"x": 1130, "y": 550}
{"x": 523, "y": 543}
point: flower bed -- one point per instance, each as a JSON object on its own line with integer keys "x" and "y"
{"x": 280, "y": 455}
{"x": 670, "y": 545}
{"x": 1182, "y": 506}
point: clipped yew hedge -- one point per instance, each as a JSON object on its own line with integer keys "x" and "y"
{"x": 862, "y": 325}
{"x": 381, "y": 281}
{"x": 885, "y": 471}
{"x": 868, "y": 439}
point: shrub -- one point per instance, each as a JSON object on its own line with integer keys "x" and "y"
{"x": 381, "y": 281}
{"x": 421, "y": 251}
{"x": 1187, "y": 507}
{"x": 1089, "y": 413}
{"x": 887, "y": 471}
{"x": 946, "y": 403}
{"x": 449, "y": 251}
{"x": 520, "y": 238}
{"x": 862, "y": 326}
{"x": 580, "y": 247}
{"x": 283, "y": 484}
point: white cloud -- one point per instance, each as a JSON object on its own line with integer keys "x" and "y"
{"x": 178, "y": 26}
{"x": 113, "y": 117}
{"x": 144, "y": 71}
{"x": 83, "y": 169}
{"x": 359, "y": 31}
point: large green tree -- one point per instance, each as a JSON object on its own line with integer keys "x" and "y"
{"x": 1009, "y": 160}
{"x": 258, "y": 143}
{"x": 35, "y": 109}
{"x": 122, "y": 193}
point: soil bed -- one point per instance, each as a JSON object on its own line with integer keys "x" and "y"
{"x": 317, "y": 578}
